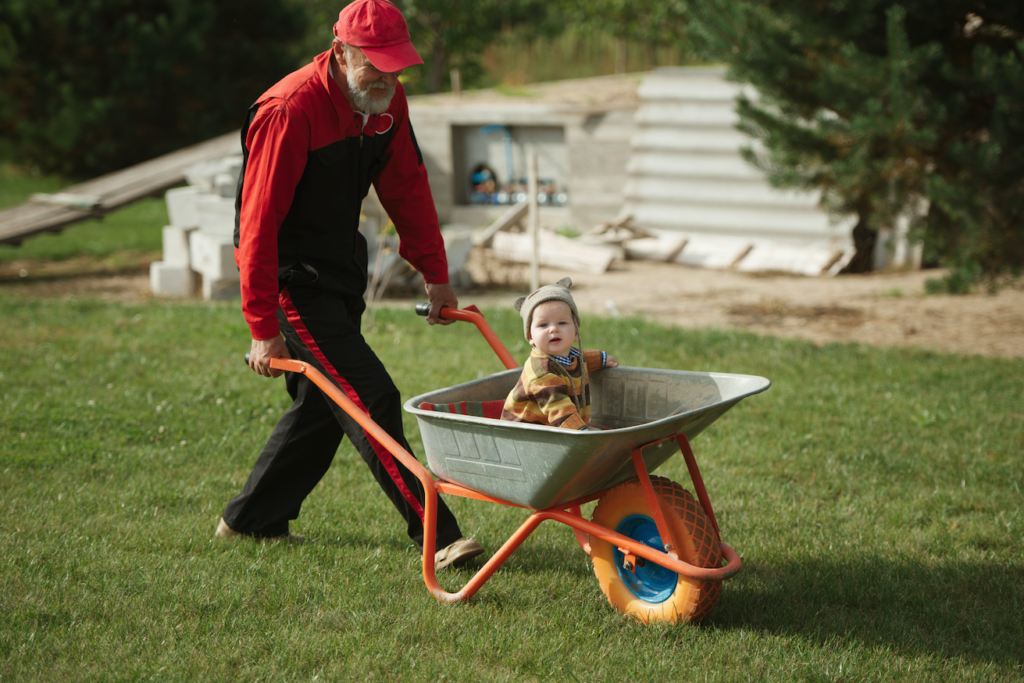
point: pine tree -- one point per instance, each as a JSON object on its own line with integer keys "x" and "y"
{"x": 881, "y": 105}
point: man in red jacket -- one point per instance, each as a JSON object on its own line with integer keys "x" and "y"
{"x": 312, "y": 145}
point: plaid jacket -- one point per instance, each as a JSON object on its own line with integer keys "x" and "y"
{"x": 548, "y": 393}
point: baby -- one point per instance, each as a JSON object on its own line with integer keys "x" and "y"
{"x": 554, "y": 388}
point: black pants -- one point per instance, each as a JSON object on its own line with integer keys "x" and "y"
{"x": 322, "y": 328}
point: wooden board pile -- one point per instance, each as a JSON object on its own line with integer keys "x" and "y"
{"x": 595, "y": 250}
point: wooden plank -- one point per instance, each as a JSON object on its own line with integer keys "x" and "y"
{"x": 114, "y": 190}
{"x": 515, "y": 213}
{"x": 75, "y": 201}
{"x": 713, "y": 251}
{"x": 555, "y": 252}
{"x": 662, "y": 248}
{"x": 28, "y": 219}
{"x": 799, "y": 259}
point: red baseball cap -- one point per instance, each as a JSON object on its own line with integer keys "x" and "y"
{"x": 378, "y": 28}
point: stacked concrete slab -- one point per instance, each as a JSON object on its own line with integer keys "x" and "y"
{"x": 198, "y": 248}
{"x": 686, "y": 177}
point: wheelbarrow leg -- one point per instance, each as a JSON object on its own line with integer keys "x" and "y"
{"x": 698, "y": 481}
{"x": 581, "y": 538}
{"x": 664, "y": 530}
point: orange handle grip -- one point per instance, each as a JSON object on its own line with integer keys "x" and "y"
{"x": 472, "y": 314}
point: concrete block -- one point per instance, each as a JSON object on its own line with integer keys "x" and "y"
{"x": 170, "y": 280}
{"x": 661, "y": 248}
{"x": 205, "y": 174}
{"x": 460, "y": 278}
{"x": 457, "y": 245}
{"x": 381, "y": 263}
{"x": 212, "y": 256}
{"x": 181, "y": 206}
{"x": 175, "y": 243}
{"x": 225, "y": 185}
{"x": 216, "y": 215}
{"x": 219, "y": 290}
{"x": 382, "y": 251}
{"x": 895, "y": 251}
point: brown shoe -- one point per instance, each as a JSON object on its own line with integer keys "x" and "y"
{"x": 228, "y": 534}
{"x": 225, "y": 532}
{"x": 457, "y": 553}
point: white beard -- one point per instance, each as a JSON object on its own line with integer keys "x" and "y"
{"x": 362, "y": 100}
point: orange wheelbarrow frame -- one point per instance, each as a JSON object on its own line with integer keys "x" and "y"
{"x": 568, "y": 513}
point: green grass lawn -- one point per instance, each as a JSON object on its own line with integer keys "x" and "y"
{"x": 119, "y": 236}
{"x": 875, "y": 496}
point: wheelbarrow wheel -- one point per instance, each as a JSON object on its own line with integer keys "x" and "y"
{"x": 651, "y": 592}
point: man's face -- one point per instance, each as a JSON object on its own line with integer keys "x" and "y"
{"x": 370, "y": 88}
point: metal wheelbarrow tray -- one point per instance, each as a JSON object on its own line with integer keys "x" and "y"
{"x": 540, "y": 467}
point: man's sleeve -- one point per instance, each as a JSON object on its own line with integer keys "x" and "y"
{"x": 404, "y": 191}
{"x": 277, "y": 157}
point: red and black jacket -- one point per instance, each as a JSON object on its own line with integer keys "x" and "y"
{"x": 309, "y": 160}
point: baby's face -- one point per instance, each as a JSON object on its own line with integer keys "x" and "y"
{"x": 552, "y": 329}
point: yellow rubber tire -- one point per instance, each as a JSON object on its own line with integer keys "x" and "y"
{"x": 653, "y": 593}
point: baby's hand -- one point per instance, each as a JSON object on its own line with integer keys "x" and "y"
{"x": 611, "y": 362}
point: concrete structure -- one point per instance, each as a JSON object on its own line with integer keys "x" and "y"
{"x": 167, "y": 280}
{"x": 198, "y": 247}
{"x": 581, "y": 130}
{"x": 686, "y": 175}
{"x": 660, "y": 147}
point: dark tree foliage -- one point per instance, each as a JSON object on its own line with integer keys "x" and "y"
{"x": 880, "y": 105}
{"x": 649, "y": 23}
{"x": 447, "y": 33}
{"x": 645, "y": 24}
{"x": 87, "y": 88}
{"x": 454, "y": 34}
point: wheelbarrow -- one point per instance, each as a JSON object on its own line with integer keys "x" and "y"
{"x": 657, "y": 551}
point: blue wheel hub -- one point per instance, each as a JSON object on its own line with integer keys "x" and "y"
{"x": 650, "y": 582}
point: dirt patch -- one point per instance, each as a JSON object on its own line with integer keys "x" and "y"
{"x": 775, "y": 312}
{"x": 116, "y": 264}
{"x": 884, "y": 309}
{"x": 130, "y": 287}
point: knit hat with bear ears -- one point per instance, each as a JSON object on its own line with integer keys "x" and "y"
{"x": 556, "y": 292}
